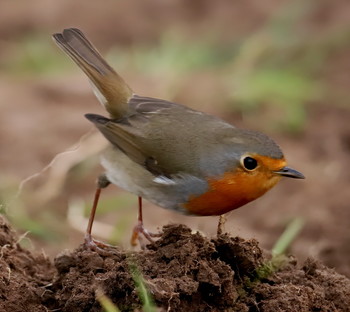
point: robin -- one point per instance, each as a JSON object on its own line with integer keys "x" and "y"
{"x": 175, "y": 157}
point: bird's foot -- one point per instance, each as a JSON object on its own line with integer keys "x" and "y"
{"x": 95, "y": 245}
{"x": 140, "y": 231}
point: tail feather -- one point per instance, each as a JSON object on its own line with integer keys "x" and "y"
{"x": 111, "y": 89}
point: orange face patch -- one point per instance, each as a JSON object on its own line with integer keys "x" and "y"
{"x": 271, "y": 164}
{"x": 236, "y": 188}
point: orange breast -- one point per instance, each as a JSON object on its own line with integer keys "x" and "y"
{"x": 231, "y": 191}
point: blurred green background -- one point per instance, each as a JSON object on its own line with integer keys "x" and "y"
{"x": 281, "y": 67}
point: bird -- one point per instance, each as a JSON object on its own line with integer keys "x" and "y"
{"x": 176, "y": 157}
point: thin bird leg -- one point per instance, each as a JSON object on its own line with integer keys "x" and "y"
{"x": 221, "y": 225}
{"x": 91, "y": 243}
{"x": 140, "y": 230}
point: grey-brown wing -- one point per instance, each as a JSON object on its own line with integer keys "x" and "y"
{"x": 127, "y": 142}
{"x": 167, "y": 138}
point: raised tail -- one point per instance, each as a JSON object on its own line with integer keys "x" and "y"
{"x": 109, "y": 87}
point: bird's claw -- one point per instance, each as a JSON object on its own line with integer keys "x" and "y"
{"x": 98, "y": 246}
{"x": 140, "y": 231}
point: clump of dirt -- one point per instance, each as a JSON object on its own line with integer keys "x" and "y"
{"x": 182, "y": 271}
{"x": 23, "y": 276}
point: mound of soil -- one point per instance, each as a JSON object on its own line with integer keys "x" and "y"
{"x": 182, "y": 271}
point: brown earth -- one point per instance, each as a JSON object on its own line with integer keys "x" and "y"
{"x": 182, "y": 271}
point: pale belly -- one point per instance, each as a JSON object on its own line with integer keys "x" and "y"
{"x": 172, "y": 194}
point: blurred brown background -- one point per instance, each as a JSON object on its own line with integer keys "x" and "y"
{"x": 281, "y": 67}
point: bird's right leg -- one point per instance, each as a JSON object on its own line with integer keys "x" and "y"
{"x": 221, "y": 225}
{"x": 139, "y": 230}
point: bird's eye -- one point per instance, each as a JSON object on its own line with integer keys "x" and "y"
{"x": 249, "y": 163}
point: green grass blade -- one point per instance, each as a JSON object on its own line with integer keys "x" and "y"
{"x": 288, "y": 236}
{"x": 105, "y": 302}
{"x": 144, "y": 294}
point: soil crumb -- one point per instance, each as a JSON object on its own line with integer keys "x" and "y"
{"x": 183, "y": 271}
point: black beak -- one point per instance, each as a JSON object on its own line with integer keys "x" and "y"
{"x": 290, "y": 173}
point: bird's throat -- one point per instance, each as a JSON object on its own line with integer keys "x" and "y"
{"x": 230, "y": 191}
